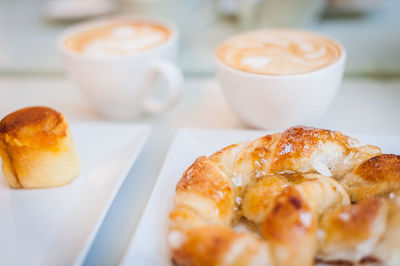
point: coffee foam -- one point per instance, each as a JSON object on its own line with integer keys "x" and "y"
{"x": 118, "y": 39}
{"x": 278, "y": 52}
{"x": 256, "y": 62}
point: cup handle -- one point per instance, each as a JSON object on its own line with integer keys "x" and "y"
{"x": 174, "y": 78}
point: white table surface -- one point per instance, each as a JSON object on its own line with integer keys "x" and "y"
{"x": 365, "y": 106}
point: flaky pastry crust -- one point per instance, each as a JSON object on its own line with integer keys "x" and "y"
{"x": 289, "y": 198}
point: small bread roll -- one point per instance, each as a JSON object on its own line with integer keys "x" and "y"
{"x": 37, "y": 149}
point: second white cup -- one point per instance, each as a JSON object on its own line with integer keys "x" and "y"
{"x": 280, "y": 101}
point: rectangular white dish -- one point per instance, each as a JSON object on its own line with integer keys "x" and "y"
{"x": 56, "y": 226}
{"x": 148, "y": 245}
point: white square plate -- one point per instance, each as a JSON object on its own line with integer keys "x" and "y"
{"x": 148, "y": 245}
{"x": 56, "y": 226}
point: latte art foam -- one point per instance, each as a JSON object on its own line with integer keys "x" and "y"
{"x": 118, "y": 39}
{"x": 278, "y": 52}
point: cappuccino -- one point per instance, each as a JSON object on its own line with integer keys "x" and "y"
{"x": 119, "y": 39}
{"x": 278, "y": 52}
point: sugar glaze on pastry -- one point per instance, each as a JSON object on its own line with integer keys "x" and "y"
{"x": 37, "y": 149}
{"x": 300, "y": 196}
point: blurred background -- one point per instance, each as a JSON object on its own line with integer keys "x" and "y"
{"x": 369, "y": 29}
{"x": 31, "y": 73}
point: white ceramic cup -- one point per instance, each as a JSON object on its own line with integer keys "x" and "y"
{"x": 280, "y": 101}
{"x": 123, "y": 87}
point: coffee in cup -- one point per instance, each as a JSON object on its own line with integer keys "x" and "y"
{"x": 125, "y": 37}
{"x": 279, "y": 52}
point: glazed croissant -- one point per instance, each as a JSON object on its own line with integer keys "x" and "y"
{"x": 285, "y": 199}
{"x": 377, "y": 176}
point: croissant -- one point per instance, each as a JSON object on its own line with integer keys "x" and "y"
{"x": 376, "y": 176}
{"x": 320, "y": 192}
{"x": 351, "y": 232}
{"x": 288, "y": 198}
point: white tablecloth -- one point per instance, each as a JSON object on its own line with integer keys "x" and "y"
{"x": 365, "y": 106}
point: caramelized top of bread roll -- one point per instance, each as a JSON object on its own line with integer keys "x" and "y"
{"x": 33, "y": 127}
{"x": 37, "y": 149}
